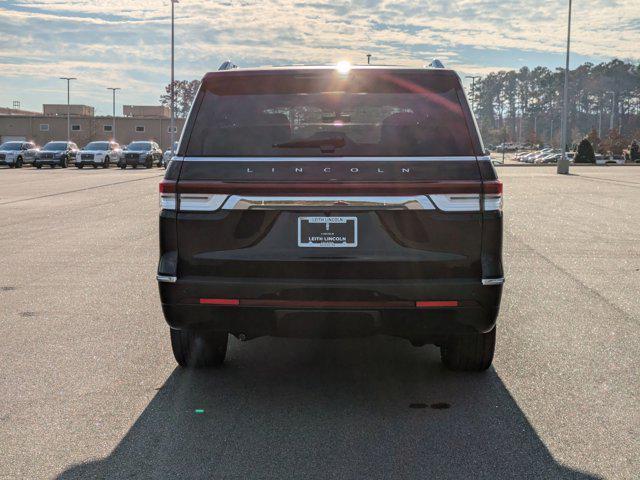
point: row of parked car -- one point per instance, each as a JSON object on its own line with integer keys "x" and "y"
{"x": 552, "y": 155}
{"x": 103, "y": 154}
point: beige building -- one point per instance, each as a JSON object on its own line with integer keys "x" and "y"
{"x": 61, "y": 109}
{"x": 146, "y": 111}
{"x": 42, "y": 128}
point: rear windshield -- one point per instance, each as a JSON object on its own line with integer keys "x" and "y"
{"x": 323, "y": 113}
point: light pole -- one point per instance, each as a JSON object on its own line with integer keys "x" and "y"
{"x": 613, "y": 99}
{"x": 68, "y": 79}
{"x": 473, "y": 89}
{"x": 173, "y": 99}
{"x": 563, "y": 163}
{"x": 113, "y": 127}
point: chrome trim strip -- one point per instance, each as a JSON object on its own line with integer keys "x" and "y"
{"x": 327, "y": 159}
{"x": 492, "y": 281}
{"x": 201, "y": 202}
{"x": 457, "y": 202}
{"x": 166, "y": 278}
{"x": 242, "y": 202}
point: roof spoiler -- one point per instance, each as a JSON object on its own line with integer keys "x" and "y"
{"x": 228, "y": 65}
{"x": 435, "y": 64}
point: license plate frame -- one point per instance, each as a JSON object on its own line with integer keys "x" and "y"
{"x": 346, "y": 236}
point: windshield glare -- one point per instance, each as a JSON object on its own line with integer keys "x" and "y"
{"x": 97, "y": 146}
{"x": 55, "y": 146}
{"x": 11, "y": 146}
{"x": 139, "y": 146}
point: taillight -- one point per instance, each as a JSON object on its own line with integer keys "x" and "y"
{"x": 170, "y": 199}
{"x": 492, "y": 193}
{"x": 168, "y": 194}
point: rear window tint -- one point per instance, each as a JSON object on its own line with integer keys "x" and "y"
{"x": 320, "y": 113}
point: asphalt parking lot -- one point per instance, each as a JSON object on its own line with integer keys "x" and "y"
{"x": 89, "y": 388}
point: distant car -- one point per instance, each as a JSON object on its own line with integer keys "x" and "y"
{"x": 539, "y": 154}
{"x": 610, "y": 160}
{"x": 56, "y": 153}
{"x": 141, "y": 154}
{"x": 166, "y": 156}
{"x": 16, "y": 154}
{"x": 99, "y": 154}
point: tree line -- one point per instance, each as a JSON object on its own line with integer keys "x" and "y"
{"x": 525, "y": 105}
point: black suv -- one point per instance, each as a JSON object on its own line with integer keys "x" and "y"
{"x": 331, "y": 202}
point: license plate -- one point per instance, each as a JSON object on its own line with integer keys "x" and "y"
{"x": 328, "y": 232}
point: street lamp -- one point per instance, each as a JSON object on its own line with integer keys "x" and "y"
{"x": 613, "y": 99}
{"x": 473, "y": 88}
{"x": 113, "y": 126}
{"x": 173, "y": 100}
{"x": 68, "y": 79}
{"x": 563, "y": 163}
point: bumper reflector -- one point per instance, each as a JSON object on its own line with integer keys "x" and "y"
{"x": 436, "y": 304}
{"x": 220, "y": 301}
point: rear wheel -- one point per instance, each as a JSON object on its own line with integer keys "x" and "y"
{"x": 95, "y": 166}
{"x": 106, "y": 163}
{"x": 199, "y": 350}
{"x": 38, "y": 166}
{"x": 19, "y": 162}
{"x": 80, "y": 165}
{"x": 148, "y": 163}
{"x": 63, "y": 163}
{"x": 469, "y": 353}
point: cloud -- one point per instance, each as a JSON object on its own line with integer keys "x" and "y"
{"x": 126, "y": 43}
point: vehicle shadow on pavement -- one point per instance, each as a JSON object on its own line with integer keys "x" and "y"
{"x": 330, "y": 409}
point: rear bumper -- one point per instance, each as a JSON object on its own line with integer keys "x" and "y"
{"x": 331, "y": 308}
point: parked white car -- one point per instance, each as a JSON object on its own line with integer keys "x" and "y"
{"x": 96, "y": 154}
{"x": 166, "y": 156}
{"x": 16, "y": 154}
{"x": 610, "y": 160}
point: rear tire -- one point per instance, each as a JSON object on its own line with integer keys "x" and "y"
{"x": 80, "y": 166}
{"x": 19, "y": 162}
{"x": 199, "y": 350}
{"x": 123, "y": 166}
{"x": 38, "y": 166}
{"x": 106, "y": 163}
{"x": 148, "y": 163}
{"x": 469, "y": 353}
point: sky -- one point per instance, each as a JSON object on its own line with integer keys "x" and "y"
{"x": 118, "y": 43}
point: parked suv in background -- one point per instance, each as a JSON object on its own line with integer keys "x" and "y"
{"x": 17, "y": 154}
{"x": 141, "y": 154}
{"x": 166, "y": 156}
{"x": 101, "y": 153}
{"x": 324, "y": 202}
{"x": 56, "y": 153}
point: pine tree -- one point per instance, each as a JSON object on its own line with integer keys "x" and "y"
{"x": 585, "y": 154}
